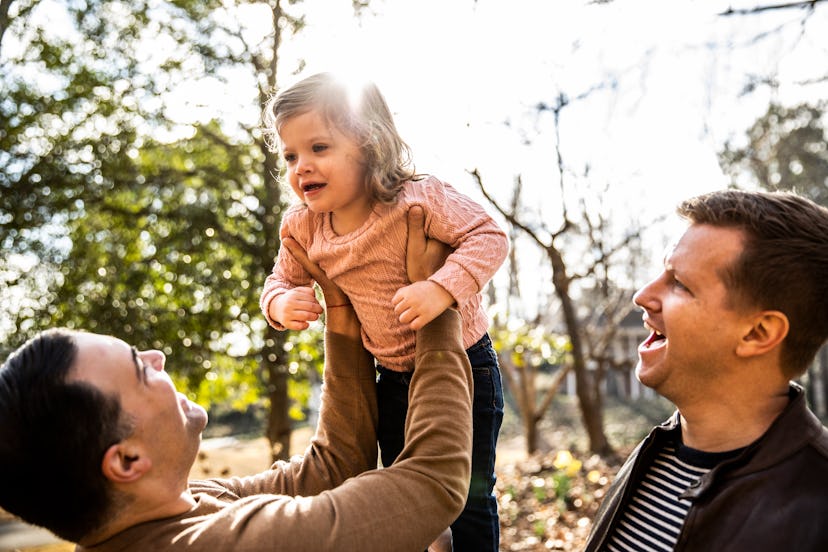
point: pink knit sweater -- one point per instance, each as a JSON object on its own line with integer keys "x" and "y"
{"x": 369, "y": 263}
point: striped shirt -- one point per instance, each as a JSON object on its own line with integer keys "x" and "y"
{"x": 652, "y": 519}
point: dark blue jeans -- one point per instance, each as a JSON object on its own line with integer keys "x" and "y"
{"x": 478, "y": 528}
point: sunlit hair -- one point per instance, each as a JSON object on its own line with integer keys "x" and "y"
{"x": 361, "y": 113}
{"x": 784, "y": 264}
{"x": 53, "y": 435}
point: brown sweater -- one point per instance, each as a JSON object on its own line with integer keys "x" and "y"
{"x": 292, "y": 507}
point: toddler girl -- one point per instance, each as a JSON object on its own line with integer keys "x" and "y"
{"x": 350, "y": 170}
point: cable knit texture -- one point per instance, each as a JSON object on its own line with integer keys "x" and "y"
{"x": 369, "y": 263}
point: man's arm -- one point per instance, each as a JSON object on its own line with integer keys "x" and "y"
{"x": 345, "y": 440}
{"x": 403, "y": 507}
{"x": 344, "y": 443}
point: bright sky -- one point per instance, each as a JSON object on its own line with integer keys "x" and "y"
{"x": 670, "y": 76}
{"x": 455, "y": 72}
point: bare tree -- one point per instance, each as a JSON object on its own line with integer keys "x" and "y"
{"x": 523, "y": 364}
{"x": 601, "y": 253}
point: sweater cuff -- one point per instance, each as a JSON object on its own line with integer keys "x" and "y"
{"x": 443, "y": 333}
{"x": 346, "y": 357}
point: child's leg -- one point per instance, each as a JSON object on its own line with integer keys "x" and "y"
{"x": 478, "y": 527}
{"x": 392, "y": 406}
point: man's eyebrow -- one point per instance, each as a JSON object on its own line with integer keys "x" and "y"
{"x": 139, "y": 373}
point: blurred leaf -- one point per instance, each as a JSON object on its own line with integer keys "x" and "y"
{"x": 787, "y": 149}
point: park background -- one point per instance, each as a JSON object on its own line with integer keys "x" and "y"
{"x": 137, "y": 197}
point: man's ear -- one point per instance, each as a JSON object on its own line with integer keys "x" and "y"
{"x": 768, "y": 330}
{"x": 125, "y": 463}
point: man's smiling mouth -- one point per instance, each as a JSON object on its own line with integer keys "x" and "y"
{"x": 654, "y": 337}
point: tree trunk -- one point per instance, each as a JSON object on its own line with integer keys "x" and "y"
{"x": 279, "y": 427}
{"x": 587, "y": 400}
{"x": 531, "y": 428}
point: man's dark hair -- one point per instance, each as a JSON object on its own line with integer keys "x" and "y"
{"x": 53, "y": 435}
{"x": 784, "y": 265}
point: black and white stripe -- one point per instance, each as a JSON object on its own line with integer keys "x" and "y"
{"x": 652, "y": 519}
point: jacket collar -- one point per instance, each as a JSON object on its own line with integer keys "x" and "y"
{"x": 792, "y": 430}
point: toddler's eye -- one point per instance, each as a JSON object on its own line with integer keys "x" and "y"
{"x": 289, "y": 158}
{"x": 319, "y": 148}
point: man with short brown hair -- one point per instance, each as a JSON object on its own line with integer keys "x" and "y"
{"x": 739, "y": 310}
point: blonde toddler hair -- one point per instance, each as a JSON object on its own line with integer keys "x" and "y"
{"x": 363, "y": 115}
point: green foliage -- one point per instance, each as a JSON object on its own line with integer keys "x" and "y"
{"x": 531, "y": 346}
{"x": 787, "y": 149}
{"x": 305, "y": 364}
{"x": 163, "y": 261}
{"x": 539, "y": 528}
{"x": 115, "y": 218}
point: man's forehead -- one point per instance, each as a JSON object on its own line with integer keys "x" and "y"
{"x": 98, "y": 354}
{"x": 670, "y": 249}
{"x": 98, "y": 342}
{"x": 704, "y": 246}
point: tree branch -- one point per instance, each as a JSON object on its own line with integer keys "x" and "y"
{"x": 549, "y": 396}
{"x": 510, "y": 217}
{"x": 809, "y": 4}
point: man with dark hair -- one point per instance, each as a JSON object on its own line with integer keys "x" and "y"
{"x": 96, "y": 445}
{"x": 739, "y": 310}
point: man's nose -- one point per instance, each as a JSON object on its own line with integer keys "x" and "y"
{"x": 156, "y": 359}
{"x": 645, "y": 297}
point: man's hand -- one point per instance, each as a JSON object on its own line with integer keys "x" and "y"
{"x": 421, "y": 302}
{"x": 423, "y": 255}
{"x": 295, "y": 308}
{"x": 339, "y": 314}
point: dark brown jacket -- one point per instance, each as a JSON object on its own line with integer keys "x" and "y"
{"x": 772, "y": 497}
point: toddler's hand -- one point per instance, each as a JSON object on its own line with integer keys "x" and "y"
{"x": 295, "y": 308}
{"x": 421, "y": 302}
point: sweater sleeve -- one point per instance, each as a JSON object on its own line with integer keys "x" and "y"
{"x": 403, "y": 507}
{"x": 287, "y": 273}
{"x": 480, "y": 245}
{"x": 407, "y": 505}
{"x": 344, "y": 443}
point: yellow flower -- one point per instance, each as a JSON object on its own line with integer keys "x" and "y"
{"x": 573, "y": 468}
{"x": 562, "y": 459}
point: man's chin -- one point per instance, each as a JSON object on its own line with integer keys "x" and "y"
{"x": 647, "y": 376}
